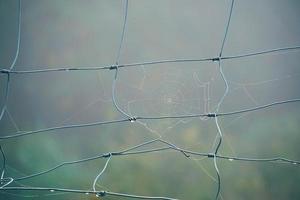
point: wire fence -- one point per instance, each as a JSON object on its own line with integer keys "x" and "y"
{"x": 146, "y": 147}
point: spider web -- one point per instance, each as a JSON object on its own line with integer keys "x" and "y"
{"x": 67, "y": 119}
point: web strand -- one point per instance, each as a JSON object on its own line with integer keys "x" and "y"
{"x": 157, "y": 145}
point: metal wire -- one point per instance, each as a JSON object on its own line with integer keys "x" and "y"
{"x": 220, "y": 103}
{"x": 122, "y": 120}
{"x": 167, "y": 146}
{"x": 147, "y": 63}
{"x": 3, "y": 162}
{"x": 86, "y": 192}
{"x": 116, "y": 67}
{"x": 135, "y": 150}
{"x": 130, "y": 152}
{"x": 102, "y": 171}
{"x": 7, "y": 72}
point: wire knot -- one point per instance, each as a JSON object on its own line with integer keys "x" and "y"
{"x": 132, "y": 119}
{"x": 107, "y": 155}
{"x": 5, "y": 71}
{"x": 113, "y": 67}
{"x": 216, "y": 59}
{"x": 101, "y": 193}
{"x": 211, "y": 155}
{"x": 211, "y": 115}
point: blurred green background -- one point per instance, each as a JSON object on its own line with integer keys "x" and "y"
{"x": 82, "y": 33}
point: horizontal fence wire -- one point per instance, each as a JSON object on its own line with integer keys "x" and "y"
{"x": 147, "y": 63}
{"x": 21, "y": 133}
{"x": 138, "y": 149}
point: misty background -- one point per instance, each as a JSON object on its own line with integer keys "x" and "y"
{"x": 78, "y": 33}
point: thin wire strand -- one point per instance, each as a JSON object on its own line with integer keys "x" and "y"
{"x": 169, "y": 147}
{"x": 221, "y": 101}
{"x": 3, "y": 163}
{"x": 120, "y": 110}
{"x": 134, "y": 150}
{"x": 4, "y": 107}
{"x": 62, "y": 128}
{"x": 18, "y": 37}
{"x": 109, "y": 155}
{"x": 226, "y": 29}
{"x": 102, "y": 171}
{"x": 6, "y": 181}
{"x": 215, "y": 159}
{"x": 123, "y": 33}
{"x": 258, "y": 107}
{"x": 12, "y": 120}
{"x": 261, "y": 53}
{"x": 155, "y": 62}
{"x": 124, "y": 152}
{"x": 100, "y": 193}
{"x": 7, "y": 88}
{"x": 209, "y": 115}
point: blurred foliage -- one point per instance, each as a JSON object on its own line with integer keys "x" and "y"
{"x": 76, "y": 33}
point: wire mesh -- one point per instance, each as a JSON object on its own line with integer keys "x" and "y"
{"x": 7, "y": 182}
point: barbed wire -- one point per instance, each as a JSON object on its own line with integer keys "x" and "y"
{"x": 135, "y": 150}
